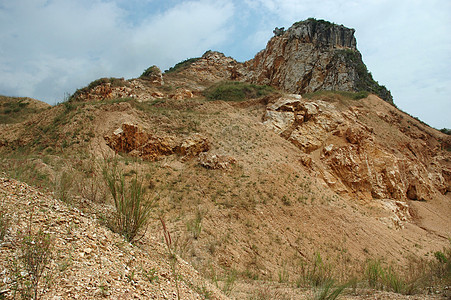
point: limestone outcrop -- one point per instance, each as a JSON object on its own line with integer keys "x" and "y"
{"x": 135, "y": 141}
{"x": 313, "y": 55}
{"x": 349, "y": 157}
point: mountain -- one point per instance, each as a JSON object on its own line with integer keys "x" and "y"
{"x": 273, "y": 177}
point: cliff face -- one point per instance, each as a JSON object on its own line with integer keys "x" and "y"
{"x": 313, "y": 55}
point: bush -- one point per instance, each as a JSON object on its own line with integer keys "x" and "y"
{"x": 236, "y": 91}
{"x": 29, "y": 270}
{"x": 133, "y": 209}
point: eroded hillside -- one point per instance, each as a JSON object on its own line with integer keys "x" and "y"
{"x": 253, "y": 183}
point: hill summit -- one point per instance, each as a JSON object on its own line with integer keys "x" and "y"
{"x": 313, "y": 55}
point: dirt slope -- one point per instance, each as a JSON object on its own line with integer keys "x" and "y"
{"x": 88, "y": 261}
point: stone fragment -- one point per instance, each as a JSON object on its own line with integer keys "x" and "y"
{"x": 215, "y": 161}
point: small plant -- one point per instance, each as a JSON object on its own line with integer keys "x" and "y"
{"x": 133, "y": 209}
{"x": 4, "y": 225}
{"x": 374, "y": 274}
{"x": 229, "y": 283}
{"x": 327, "y": 291}
{"x": 35, "y": 252}
{"x": 151, "y": 275}
{"x": 316, "y": 273}
{"x": 195, "y": 225}
{"x": 62, "y": 188}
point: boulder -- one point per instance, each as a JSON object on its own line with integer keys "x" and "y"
{"x": 193, "y": 146}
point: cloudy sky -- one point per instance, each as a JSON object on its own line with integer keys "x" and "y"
{"x": 49, "y": 48}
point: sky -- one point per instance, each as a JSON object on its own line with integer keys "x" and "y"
{"x": 49, "y": 48}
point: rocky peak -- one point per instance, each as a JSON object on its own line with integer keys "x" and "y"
{"x": 313, "y": 55}
{"x": 323, "y": 33}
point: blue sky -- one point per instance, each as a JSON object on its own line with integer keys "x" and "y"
{"x": 52, "y": 47}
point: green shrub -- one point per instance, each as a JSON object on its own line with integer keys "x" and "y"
{"x": 236, "y": 91}
{"x": 133, "y": 209}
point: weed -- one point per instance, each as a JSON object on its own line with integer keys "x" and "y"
{"x": 327, "y": 291}
{"x": 195, "y": 225}
{"x": 229, "y": 283}
{"x": 151, "y": 275}
{"x": 62, "y": 189}
{"x": 374, "y": 274}
{"x": 133, "y": 209}
{"x": 4, "y": 224}
{"x": 35, "y": 252}
{"x": 315, "y": 274}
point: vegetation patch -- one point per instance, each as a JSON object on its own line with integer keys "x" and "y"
{"x": 316, "y": 23}
{"x": 15, "y": 110}
{"x": 150, "y": 72}
{"x": 365, "y": 81}
{"x": 346, "y": 95}
{"x": 114, "y": 82}
{"x": 237, "y": 91}
{"x": 182, "y": 65}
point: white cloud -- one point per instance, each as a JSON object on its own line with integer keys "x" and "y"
{"x": 405, "y": 44}
{"x": 53, "y": 47}
{"x": 50, "y": 47}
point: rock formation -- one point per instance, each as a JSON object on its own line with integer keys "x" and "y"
{"x": 313, "y": 55}
{"x": 349, "y": 157}
{"x": 135, "y": 141}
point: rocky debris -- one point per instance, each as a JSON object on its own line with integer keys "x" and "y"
{"x": 213, "y": 67}
{"x": 345, "y": 153}
{"x": 106, "y": 91}
{"x": 153, "y": 75}
{"x": 193, "y": 146}
{"x": 215, "y": 161}
{"x": 182, "y": 94}
{"x": 312, "y": 55}
{"x": 135, "y": 141}
{"x": 88, "y": 261}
